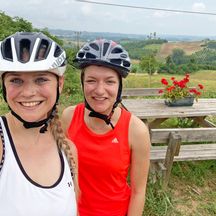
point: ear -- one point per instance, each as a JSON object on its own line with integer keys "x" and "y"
{"x": 61, "y": 83}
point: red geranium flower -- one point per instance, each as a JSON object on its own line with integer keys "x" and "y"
{"x": 164, "y": 81}
{"x": 179, "y": 89}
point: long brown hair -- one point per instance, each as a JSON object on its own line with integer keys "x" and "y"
{"x": 62, "y": 143}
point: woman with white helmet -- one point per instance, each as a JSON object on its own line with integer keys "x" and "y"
{"x": 38, "y": 165}
{"x": 110, "y": 140}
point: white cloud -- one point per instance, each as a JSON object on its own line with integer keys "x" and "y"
{"x": 66, "y": 2}
{"x": 161, "y": 14}
{"x": 122, "y": 17}
{"x": 198, "y": 6}
{"x": 86, "y": 9}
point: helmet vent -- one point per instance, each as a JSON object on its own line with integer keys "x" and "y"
{"x": 6, "y": 50}
{"x": 106, "y": 46}
{"x": 126, "y": 64}
{"x": 24, "y": 50}
{"x": 81, "y": 55}
{"x": 94, "y": 46}
{"x": 91, "y": 56}
{"x": 123, "y": 55}
{"x": 58, "y": 51}
{"x": 117, "y": 50}
{"x": 116, "y": 61}
{"x": 43, "y": 50}
{"x": 86, "y": 48}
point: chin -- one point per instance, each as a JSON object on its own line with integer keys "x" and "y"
{"x": 32, "y": 118}
{"x": 102, "y": 110}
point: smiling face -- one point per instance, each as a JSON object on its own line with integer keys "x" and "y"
{"x": 100, "y": 88}
{"x": 31, "y": 95}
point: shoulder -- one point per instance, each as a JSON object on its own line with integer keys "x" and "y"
{"x": 67, "y": 116}
{"x": 137, "y": 126}
{"x": 68, "y": 111}
{"x": 138, "y": 133}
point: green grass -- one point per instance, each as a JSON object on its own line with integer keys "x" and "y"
{"x": 207, "y": 78}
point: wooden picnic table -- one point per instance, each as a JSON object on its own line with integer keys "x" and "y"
{"x": 154, "y": 111}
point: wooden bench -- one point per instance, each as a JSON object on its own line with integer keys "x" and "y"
{"x": 140, "y": 92}
{"x": 182, "y": 144}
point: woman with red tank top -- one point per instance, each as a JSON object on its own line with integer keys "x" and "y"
{"x": 110, "y": 140}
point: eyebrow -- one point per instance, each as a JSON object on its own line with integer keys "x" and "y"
{"x": 93, "y": 77}
{"x": 17, "y": 74}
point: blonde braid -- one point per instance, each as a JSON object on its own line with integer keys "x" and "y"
{"x": 62, "y": 143}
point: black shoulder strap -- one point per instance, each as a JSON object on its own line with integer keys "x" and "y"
{"x": 3, "y": 143}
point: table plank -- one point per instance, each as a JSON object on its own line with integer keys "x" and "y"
{"x": 156, "y": 109}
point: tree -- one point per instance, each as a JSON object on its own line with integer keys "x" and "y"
{"x": 149, "y": 64}
{"x": 6, "y": 25}
{"x": 22, "y": 25}
{"x": 56, "y": 39}
{"x": 178, "y": 56}
{"x": 10, "y": 25}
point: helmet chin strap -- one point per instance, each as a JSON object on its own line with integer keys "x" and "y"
{"x": 106, "y": 118}
{"x": 44, "y": 122}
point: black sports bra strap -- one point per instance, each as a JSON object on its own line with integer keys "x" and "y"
{"x": 3, "y": 143}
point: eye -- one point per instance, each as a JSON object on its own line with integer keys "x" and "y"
{"x": 16, "y": 81}
{"x": 41, "y": 80}
{"x": 110, "y": 82}
{"x": 90, "y": 81}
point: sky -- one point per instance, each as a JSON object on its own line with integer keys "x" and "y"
{"x": 81, "y": 16}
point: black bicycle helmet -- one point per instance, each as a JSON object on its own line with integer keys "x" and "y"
{"x": 29, "y": 52}
{"x": 106, "y": 53}
{"x": 109, "y": 54}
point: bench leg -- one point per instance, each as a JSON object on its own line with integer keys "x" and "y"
{"x": 172, "y": 150}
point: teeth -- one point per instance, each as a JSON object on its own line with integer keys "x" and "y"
{"x": 97, "y": 98}
{"x": 30, "y": 104}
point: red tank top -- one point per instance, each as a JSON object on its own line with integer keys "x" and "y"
{"x": 104, "y": 160}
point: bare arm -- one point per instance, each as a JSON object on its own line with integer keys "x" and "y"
{"x": 140, "y": 159}
{"x": 66, "y": 118}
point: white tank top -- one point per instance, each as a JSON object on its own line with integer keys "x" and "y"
{"x": 21, "y": 196}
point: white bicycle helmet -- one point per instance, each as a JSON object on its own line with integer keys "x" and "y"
{"x": 106, "y": 53}
{"x": 31, "y": 51}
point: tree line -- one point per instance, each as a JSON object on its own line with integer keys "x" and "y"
{"x": 145, "y": 50}
{"x": 10, "y": 25}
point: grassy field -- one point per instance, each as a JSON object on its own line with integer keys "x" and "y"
{"x": 192, "y": 188}
{"x": 188, "y": 47}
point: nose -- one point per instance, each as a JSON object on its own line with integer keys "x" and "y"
{"x": 100, "y": 88}
{"x": 29, "y": 89}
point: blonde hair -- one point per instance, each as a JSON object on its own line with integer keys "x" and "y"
{"x": 62, "y": 143}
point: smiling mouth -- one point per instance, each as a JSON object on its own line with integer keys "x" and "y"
{"x": 99, "y": 98}
{"x": 30, "y": 104}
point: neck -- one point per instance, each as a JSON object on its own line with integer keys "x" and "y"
{"x": 98, "y": 125}
{"x": 17, "y": 126}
